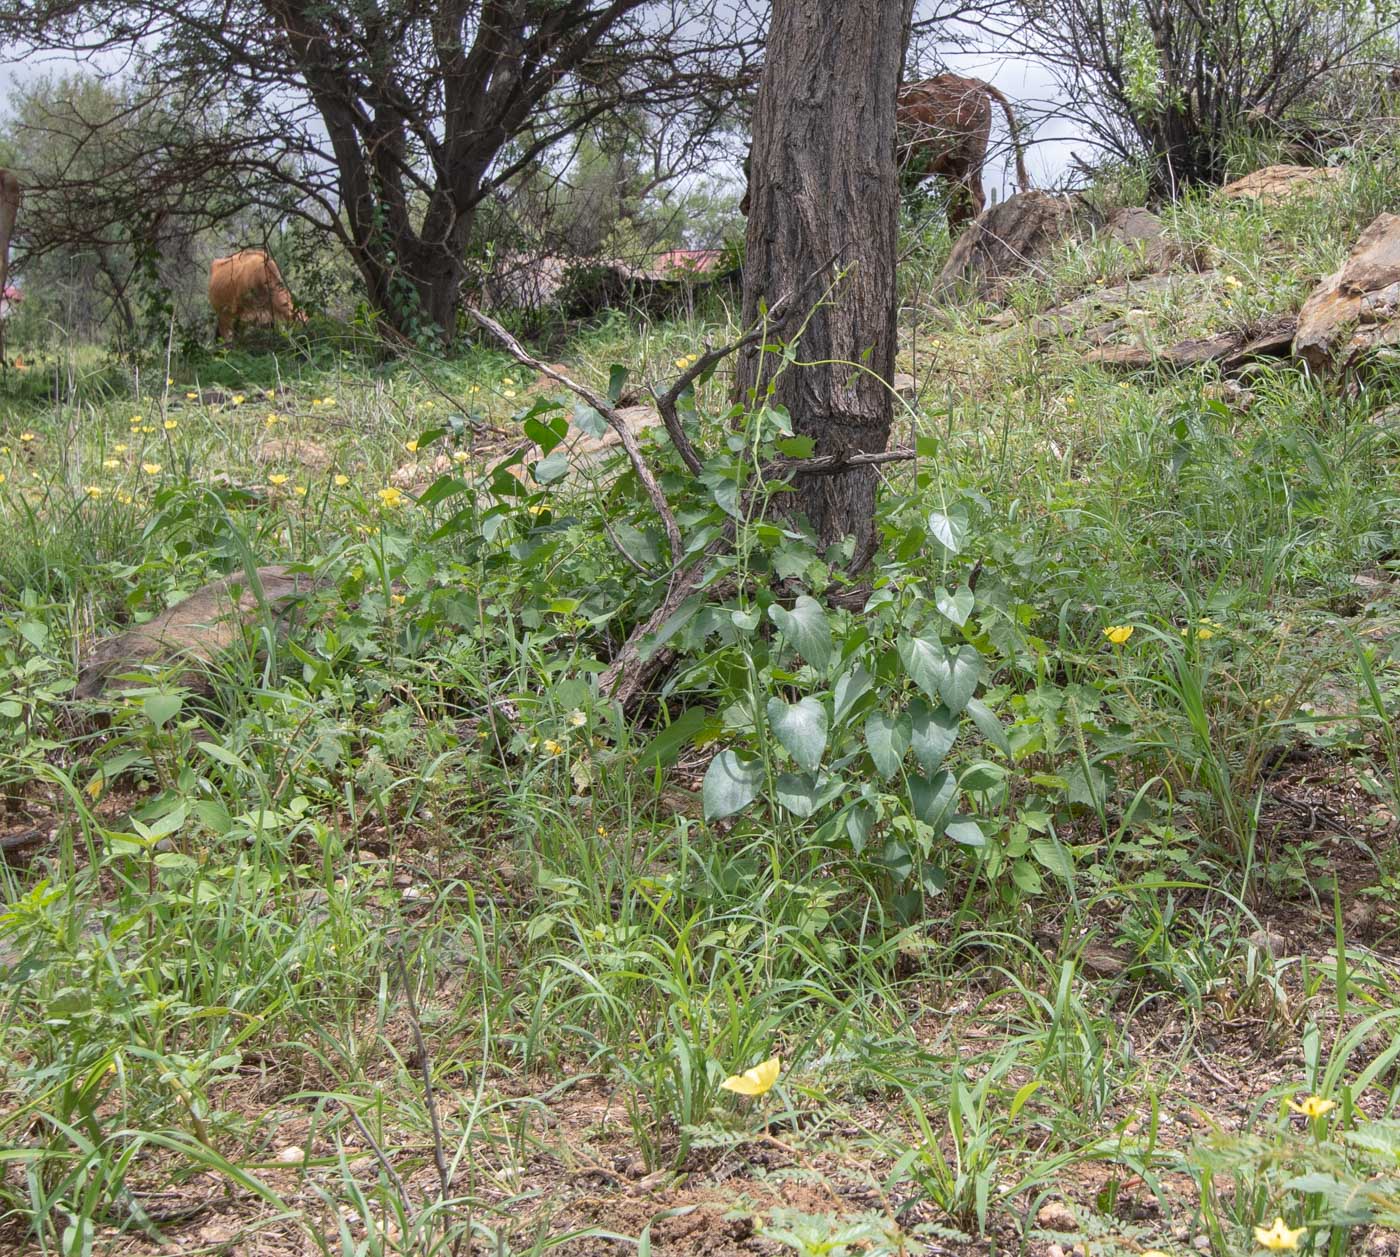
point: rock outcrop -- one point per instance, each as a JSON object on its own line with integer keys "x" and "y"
{"x": 1357, "y": 310}
{"x": 1005, "y": 243}
{"x": 192, "y": 633}
{"x": 1275, "y": 184}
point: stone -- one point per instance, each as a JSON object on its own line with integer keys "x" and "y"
{"x": 905, "y": 386}
{"x": 1055, "y": 1215}
{"x": 1005, "y": 243}
{"x": 1274, "y": 184}
{"x": 1142, "y": 232}
{"x": 1353, "y": 312}
{"x": 193, "y": 632}
{"x": 292, "y": 450}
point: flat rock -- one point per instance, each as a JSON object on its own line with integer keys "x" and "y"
{"x": 1354, "y": 311}
{"x": 1275, "y": 184}
{"x": 1055, "y": 1215}
{"x": 295, "y": 451}
{"x": 1193, "y": 352}
{"x": 193, "y": 632}
{"x": 1005, "y": 243}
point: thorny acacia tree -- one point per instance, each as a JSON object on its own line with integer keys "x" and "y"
{"x": 385, "y": 122}
{"x": 1178, "y": 79}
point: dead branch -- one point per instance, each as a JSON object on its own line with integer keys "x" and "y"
{"x": 614, "y": 420}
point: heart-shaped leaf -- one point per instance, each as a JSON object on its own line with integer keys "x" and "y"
{"x": 798, "y": 793}
{"x": 934, "y": 732}
{"x": 1053, "y": 856}
{"x": 162, "y": 707}
{"x": 860, "y": 820}
{"x": 956, "y": 607}
{"x": 731, "y": 784}
{"x": 553, "y": 468}
{"x": 888, "y": 739}
{"x": 805, "y": 628}
{"x": 801, "y": 728}
{"x": 965, "y": 830}
{"x": 925, "y": 663}
{"x": 850, "y": 689}
{"x": 949, "y": 528}
{"x": 959, "y": 679}
{"x": 932, "y": 799}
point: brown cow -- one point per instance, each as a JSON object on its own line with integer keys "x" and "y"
{"x": 246, "y": 288}
{"x": 9, "y": 211}
{"x": 942, "y": 126}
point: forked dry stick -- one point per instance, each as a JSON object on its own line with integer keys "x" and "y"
{"x": 609, "y": 413}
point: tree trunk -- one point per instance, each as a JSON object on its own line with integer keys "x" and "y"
{"x": 822, "y": 226}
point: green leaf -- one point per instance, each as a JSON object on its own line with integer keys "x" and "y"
{"x": 617, "y": 381}
{"x": 925, "y": 663}
{"x": 956, "y": 607}
{"x": 982, "y": 776}
{"x": 162, "y": 707}
{"x": 965, "y": 830}
{"x": 553, "y": 468}
{"x": 949, "y": 529}
{"x": 797, "y": 446}
{"x": 1027, "y": 1090}
{"x": 860, "y": 820}
{"x": 959, "y": 678}
{"x": 798, "y": 793}
{"x": 988, "y": 725}
{"x": 888, "y": 739}
{"x": 546, "y": 435}
{"x": 1054, "y": 857}
{"x": 666, "y": 746}
{"x": 805, "y": 627}
{"x": 441, "y": 488}
{"x": 801, "y": 728}
{"x": 1027, "y": 877}
{"x": 850, "y": 689}
{"x": 744, "y": 621}
{"x": 932, "y": 798}
{"x": 11, "y": 709}
{"x": 731, "y": 784}
{"x": 589, "y": 421}
{"x": 934, "y": 732}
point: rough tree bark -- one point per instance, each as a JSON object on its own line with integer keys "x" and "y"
{"x": 822, "y": 224}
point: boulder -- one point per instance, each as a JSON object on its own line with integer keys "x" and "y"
{"x": 1357, "y": 309}
{"x": 1275, "y": 184}
{"x": 1142, "y": 232}
{"x": 1005, "y": 243}
{"x": 194, "y": 632}
{"x": 1232, "y": 350}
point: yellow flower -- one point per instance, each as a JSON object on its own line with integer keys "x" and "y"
{"x": 1118, "y": 633}
{"x": 551, "y": 746}
{"x": 2, "y": 477}
{"x": 148, "y": 428}
{"x": 1069, "y": 399}
{"x": 411, "y": 446}
{"x": 755, "y": 1081}
{"x": 1154, "y": 1252}
{"x": 119, "y": 448}
{"x": 94, "y": 491}
{"x": 269, "y": 393}
{"x": 341, "y": 481}
{"x": 602, "y": 833}
{"x": 171, "y": 425}
{"x": 110, "y": 463}
{"x": 272, "y": 419}
{"x": 397, "y": 599}
{"x": 151, "y": 469}
{"x": 190, "y": 397}
{"x": 135, "y": 419}
{"x": 1313, "y": 1106}
{"x": 328, "y": 401}
{"x": 299, "y": 490}
{"x": 1205, "y": 634}
{"x": 1278, "y": 1237}
{"x": 125, "y": 498}
{"x": 577, "y": 719}
{"x": 390, "y": 497}
{"x": 315, "y": 401}
{"x": 238, "y": 399}
{"x": 476, "y": 388}
{"x": 460, "y": 456}
{"x": 1232, "y": 282}
{"x": 26, "y": 436}
{"x": 682, "y": 363}
{"x": 277, "y": 478}
{"x": 168, "y": 381}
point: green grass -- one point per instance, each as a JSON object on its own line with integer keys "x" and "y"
{"x": 403, "y": 938}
